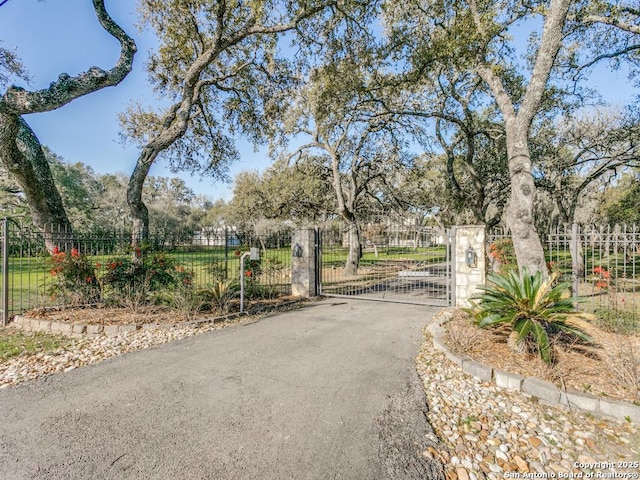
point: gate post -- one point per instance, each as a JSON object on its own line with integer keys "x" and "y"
{"x": 304, "y": 265}
{"x": 5, "y": 272}
{"x": 470, "y": 262}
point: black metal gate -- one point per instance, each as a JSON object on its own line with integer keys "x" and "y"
{"x": 397, "y": 264}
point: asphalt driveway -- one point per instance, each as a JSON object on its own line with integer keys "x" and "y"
{"x": 325, "y": 392}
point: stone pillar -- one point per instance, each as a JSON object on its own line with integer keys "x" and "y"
{"x": 467, "y": 278}
{"x": 304, "y": 277}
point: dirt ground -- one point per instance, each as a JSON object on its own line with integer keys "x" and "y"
{"x": 610, "y": 367}
{"x": 146, "y": 314}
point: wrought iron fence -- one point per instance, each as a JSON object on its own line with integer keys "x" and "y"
{"x": 55, "y": 268}
{"x": 601, "y": 262}
{"x": 397, "y": 262}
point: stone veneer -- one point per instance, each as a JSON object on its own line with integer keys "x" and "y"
{"x": 77, "y": 329}
{"x": 91, "y": 330}
{"x": 303, "y": 269}
{"x": 467, "y": 279}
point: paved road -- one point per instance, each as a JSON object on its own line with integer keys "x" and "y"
{"x": 325, "y": 392}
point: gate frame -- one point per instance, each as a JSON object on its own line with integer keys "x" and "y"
{"x": 450, "y": 276}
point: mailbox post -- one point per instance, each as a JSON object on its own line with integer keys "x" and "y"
{"x": 253, "y": 254}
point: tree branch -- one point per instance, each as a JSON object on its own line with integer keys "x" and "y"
{"x": 19, "y": 101}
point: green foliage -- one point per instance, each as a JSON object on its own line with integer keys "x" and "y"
{"x": 252, "y": 287}
{"x": 533, "y": 306}
{"x": 219, "y": 294}
{"x": 218, "y": 270}
{"x": 11, "y": 67}
{"x": 620, "y": 203}
{"x": 142, "y": 275}
{"x": 74, "y": 279}
{"x": 300, "y": 193}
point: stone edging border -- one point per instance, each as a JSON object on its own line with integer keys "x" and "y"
{"x": 531, "y": 386}
{"x": 28, "y": 324}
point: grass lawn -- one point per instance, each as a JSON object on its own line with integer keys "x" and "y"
{"x": 14, "y": 343}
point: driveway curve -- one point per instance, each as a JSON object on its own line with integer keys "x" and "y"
{"x": 324, "y": 392}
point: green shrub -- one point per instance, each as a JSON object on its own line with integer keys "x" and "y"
{"x": 534, "y": 308}
{"x": 503, "y": 253}
{"x": 219, "y": 294}
{"x": 74, "y": 279}
{"x": 218, "y": 270}
{"x": 142, "y": 277}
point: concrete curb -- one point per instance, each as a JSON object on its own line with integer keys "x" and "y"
{"x": 531, "y": 386}
{"x": 82, "y": 330}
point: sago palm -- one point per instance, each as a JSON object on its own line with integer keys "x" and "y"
{"x": 535, "y": 307}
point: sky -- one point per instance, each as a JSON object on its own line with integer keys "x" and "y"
{"x": 63, "y": 36}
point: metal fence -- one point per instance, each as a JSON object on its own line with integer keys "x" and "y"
{"x": 399, "y": 263}
{"x": 32, "y": 268}
{"x": 601, "y": 262}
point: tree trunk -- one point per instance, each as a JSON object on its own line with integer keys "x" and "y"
{"x": 355, "y": 250}
{"x": 139, "y": 211}
{"x": 20, "y": 150}
{"x": 577, "y": 255}
{"x": 23, "y": 156}
{"x": 526, "y": 241}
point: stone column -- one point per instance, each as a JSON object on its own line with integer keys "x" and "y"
{"x": 303, "y": 268}
{"x": 468, "y": 278}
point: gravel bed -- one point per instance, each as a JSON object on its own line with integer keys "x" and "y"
{"x": 485, "y": 431}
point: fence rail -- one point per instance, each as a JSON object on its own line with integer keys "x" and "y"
{"x": 32, "y": 277}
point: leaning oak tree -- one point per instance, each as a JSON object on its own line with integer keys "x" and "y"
{"x": 21, "y": 152}
{"x": 217, "y": 66}
{"x": 475, "y": 36}
{"x": 341, "y": 116}
{"x": 519, "y": 113}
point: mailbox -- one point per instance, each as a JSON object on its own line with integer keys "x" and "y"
{"x": 254, "y": 253}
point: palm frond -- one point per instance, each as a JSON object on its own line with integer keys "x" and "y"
{"x": 535, "y": 306}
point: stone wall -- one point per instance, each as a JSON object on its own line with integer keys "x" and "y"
{"x": 303, "y": 269}
{"x": 467, "y": 278}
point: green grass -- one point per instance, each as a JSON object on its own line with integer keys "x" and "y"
{"x": 13, "y": 343}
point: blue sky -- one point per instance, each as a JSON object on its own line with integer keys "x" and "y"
{"x": 63, "y": 36}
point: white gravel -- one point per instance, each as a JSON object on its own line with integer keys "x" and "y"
{"x": 485, "y": 431}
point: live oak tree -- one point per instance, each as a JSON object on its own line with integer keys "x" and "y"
{"x": 473, "y": 144}
{"x": 218, "y": 71}
{"x": 518, "y": 111}
{"x": 20, "y": 151}
{"x": 619, "y": 203}
{"x": 296, "y": 194}
{"x": 474, "y": 36}
{"x": 586, "y": 150}
{"x": 336, "y": 117}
